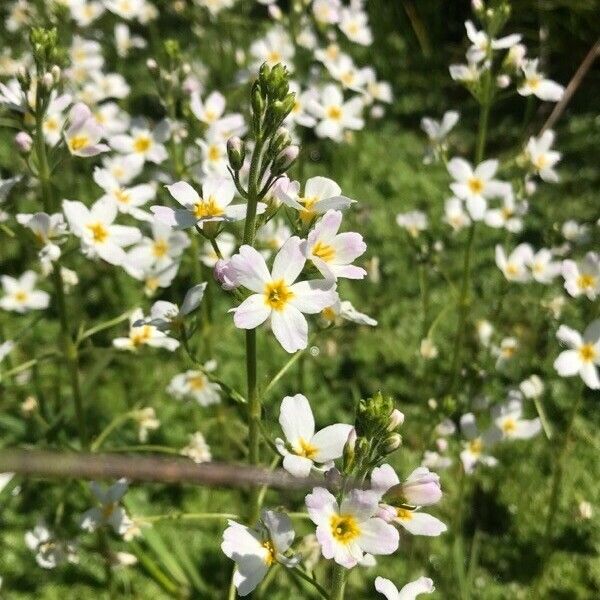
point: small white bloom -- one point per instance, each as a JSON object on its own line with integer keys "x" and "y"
{"x": 196, "y": 385}
{"x": 541, "y": 157}
{"x": 476, "y": 444}
{"x": 514, "y": 267}
{"x": 334, "y": 114}
{"x": 582, "y": 277}
{"x": 507, "y": 418}
{"x": 109, "y": 512}
{"x": 583, "y": 356}
{"x": 144, "y": 334}
{"x": 197, "y": 449}
{"x": 535, "y": 83}
{"x": 414, "y": 222}
{"x": 20, "y": 295}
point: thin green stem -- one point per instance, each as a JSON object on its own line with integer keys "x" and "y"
{"x": 178, "y": 516}
{"x": 114, "y": 424}
{"x": 338, "y": 582}
{"x": 306, "y": 577}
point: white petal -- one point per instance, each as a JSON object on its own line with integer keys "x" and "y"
{"x": 296, "y": 419}
{"x": 290, "y": 328}
{"x": 330, "y": 442}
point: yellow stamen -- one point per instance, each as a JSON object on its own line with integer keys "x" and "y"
{"x": 140, "y": 335}
{"x": 586, "y": 281}
{"x": 160, "y": 248}
{"x": 142, "y": 143}
{"x": 475, "y": 185}
{"x": 197, "y": 382}
{"x": 334, "y": 113}
{"x": 99, "y": 232}
{"x": 588, "y": 352}
{"x": 122, "y": 196}
{"x": 270, "y": 555}
{"x": 475, "y": 446}
{"x": 344, "y": 528}
{"x": 207, "y": 208}
{"x": 305, "y": 449}
{"x": 323, "y": 251}
{"x": 509, "y": 426}
{"x": 277, "y": 294}
{"x": 78, "y": 142}
{"x": 404, "y": 514}
{"x": 21, "y": 296}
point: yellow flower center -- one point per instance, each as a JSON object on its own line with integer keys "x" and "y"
{"x": 270, "y": 553}
{"x": 475, "y": 185}
{"x": 78, "y": 142}
{"x": 404, "y": 514}
{"x": 534, "y": 82}
{"x": 277, "y": 294}
{"x": 307, "y": 213}
{"x": 305, "y": 449}
{"x": 352, "y": 28}
{"x": 210, "y": 116}
{"x": 586, "y": 281}
{"x": 142, "y": 143}
{"x": 160, "y": 248}
{"x": 507, "y": 213}
{"x": 21, "y": 296}
{"x": 347, "y": 78}
{"x": 540, "y": 162}
{"x": 323, "y": 251}
{"x": 509, "y": 426}
{"x": 334, "y": 113}
{"x": 512, "y": 269}
{"x": 274, "y": 56}
{"x": 99, "y": 232}
{"x": 207, "y": 208}
{"x": 140, "y": 335}
{"x": 344, "y": 528}
{"x": 587, "y": 352}
{"x": 51, "y": 124}
{"x": 122, "y": 196}
{"x": 213, "y": 153}
{"x": 197, "y": 382}
{"x": 475, "y": 446}
{"x": 328, "y": 313}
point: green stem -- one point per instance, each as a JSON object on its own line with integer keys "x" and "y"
{"x": 118, "y": 420}
{"x": 338, "y": 582}
{"x": 69, "y": 348}
{"x": 306, "y": 577}
{"x": 177, "y": 516}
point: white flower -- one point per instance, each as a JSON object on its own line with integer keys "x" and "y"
{"x": 143, "y": 142}
{"x": 126, "y": 9}
{"x": 543, "y": 268}
{"x": 84, "y": 134}
{"x": 276, "y": 297}
{"x": 144, "y": 334}
{"x": 355, "y": 25}
{"x": 299, "y": 114}
{"x": 506, "y": 351}
{"x": 255, "y": 550}
{"x": 582, "y": 277}
{"x": 320, "y": 195}
{"x": 84, "y": 12}
{"x": 54, "y": 118}
{"x": 166, "y": 315}
{"x": 438, "y": 130}
{"x": 335, "y": 115}
{"x": 127, "y": 200}
{"x": 99, "y": 236}
{"x": 272, "y": 235}
{"x": 49, "y": 552}
{"x": 532, "y": 387}
{"x": 455, "y": 214}
{"x": 210, "y": 110}
{"x": 332, "y": 252}
{"x": 124, "y": 168}
{"x": 146, "y": 421}
{"x": 198, "y": 450}
{"x": 275, "y": 47}
{"x": 375, "y": 91}
{"x": 434, "y": 460}
{"x": 20, "y": 294}
{"x": 124, "y": 41}
{"x": 343, "y": 309}
{"x": 384, "y": 478}
{"x": 47, "y": 229}
{"x": 214, "y": 7}
{"x": 302, "y": 446}
{"x": 213, "y": 205}
{"x": 469, "y": 73}
{"x": 109, "y": 512}
{"x": 410, "y": 591}
{"x": 583, "y": 356}
{"x": 535, "y": 83}
{"x": 347, "y": 531}
{"x": 482, "y": 44}
{"x": 346, "y": 72}
{"x": 507, "y": 418}
{"x": 326, "y": 11}
{"x": 476, "y": 186}
{"x": 540, "y": 156}
{"x": 414, "y": 222}
{"x": 196, "y": 385}
{"x": 575, "y": 232}
{"x": 509, "y": 215}
{"x": 473, "y": 449}
{"x": 514, "y": 267}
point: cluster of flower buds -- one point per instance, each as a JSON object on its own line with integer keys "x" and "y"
{"x": 374, "y": 435}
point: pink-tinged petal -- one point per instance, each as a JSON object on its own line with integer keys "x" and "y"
{"x": 326, "y": 228}
{"x": 321, "y": 505}
{"x": 78, "y": 115}
{"x": 362, "y": 504}
{"x": 165, "y": 215}
{"x": 569, "y": 336}
{"x": 378, "y": 537}
{"x": 486, "y": 169}
{"x": 383, "y": 478}
{"x": 387, "y": 588}
{"x": 330, "y": 442}
{"x": 321, "y": 188}
{"x": 460, "y": 169}
{"x": 348, "y": 271}
{"x": 296, "y": 419}
{"x": 289, "y": 261}
{"x": 347, "y": 555}
{"x": 298, "y": 466}
{"x": 251, "y": 313}
{"x": 184, "y": 193}
{"x": 250, "y": 269}
{"x": 348, "y": 246}
{"x": 290, "y": 328}
{"x": 589, "y": 374}
{"x": 411, "y": 590}
{"x": 313, "y": 296}
{"x": 325, "y": 539}
{"x": 419, "y": 523}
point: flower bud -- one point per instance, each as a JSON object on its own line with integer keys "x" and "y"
{"x": 503, "y": 81}
{"x": 47, "y": 80}
{"x": 56, "y": 73}
{"x": 236, "y": 153}
{"x": 396, "y": 419}
{"x": 422, "y": 488}
{"x": 152, "y": 65}
{"x": 349, "y": 450}
{"x": 224, "y": 275}
{"x": 285, "y": 160}
{"x": 282, "y": 139}
{"x": 23, "y": 142}
{"x": 392, "y": 443}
